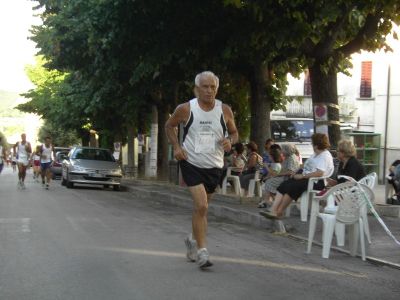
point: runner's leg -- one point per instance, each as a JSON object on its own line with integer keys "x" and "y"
{"x": 199, "y": 217}
{"x": 48, "y": 175}
{"x": 43, "y": 173}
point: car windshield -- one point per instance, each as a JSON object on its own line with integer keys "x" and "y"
{"x": 292, "y": 130}
{"x": 93, "y": 154}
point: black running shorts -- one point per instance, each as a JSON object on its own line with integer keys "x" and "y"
{"x": 193, "y": 176}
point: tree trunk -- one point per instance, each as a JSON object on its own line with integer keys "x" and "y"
{"x": 85, "y": 137}
{"x": 260, "y": 105}
{"x": 325, "y": 102}
{"x": 130, "y": 170}
{"x": 163, "y": 141}
{"x": 152, "y": 171}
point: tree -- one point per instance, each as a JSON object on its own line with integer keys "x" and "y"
{"x": 330, "y": 32}
{"x": 60, "y": 137}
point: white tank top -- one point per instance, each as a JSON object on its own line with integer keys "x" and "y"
{"x": 202, "y": 135}
{"x": 21, "y": 151}
{"x": 46, "y": 154}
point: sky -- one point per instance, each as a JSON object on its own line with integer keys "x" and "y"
{"x": 16, "y": 51}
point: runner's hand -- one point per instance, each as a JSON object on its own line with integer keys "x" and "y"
{"x": 226, "y": 144}
{"x": 180, "y": 153}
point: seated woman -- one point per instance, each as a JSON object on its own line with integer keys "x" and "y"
{"x": 254, "y": 163}
{"x": 349, "y": 165}
{"x": 319, "y": 164}
{"x": 394, "y": 179}
{"x": 290, "y": 165}
{"x": 238, "y": 159}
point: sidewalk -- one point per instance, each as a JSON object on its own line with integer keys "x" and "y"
{"x": 382, "y": 250}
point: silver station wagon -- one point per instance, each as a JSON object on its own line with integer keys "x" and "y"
{"x": 88, "y": 165}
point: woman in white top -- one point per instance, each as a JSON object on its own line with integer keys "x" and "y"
{"x": 319, "y": 164}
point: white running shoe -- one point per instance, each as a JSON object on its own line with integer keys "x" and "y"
{"x": 191, "y": 247}
{"x": 203, "y": 258}
{"x": 23, "y": 185}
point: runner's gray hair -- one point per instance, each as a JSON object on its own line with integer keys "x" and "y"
{"x": 206, "y": 73}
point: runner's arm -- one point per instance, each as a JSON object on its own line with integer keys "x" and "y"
{"x": 233, "y": 136}
{"x": 180, "y": 115}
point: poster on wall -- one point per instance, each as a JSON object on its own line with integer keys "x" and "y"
{"x": 321, "y": 118}
{"x": 117, "y": 150}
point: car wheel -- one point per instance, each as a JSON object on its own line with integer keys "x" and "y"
{"x": 69, "y": 184}
{"x": 116, "y": 187}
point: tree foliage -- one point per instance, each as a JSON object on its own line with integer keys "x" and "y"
{"x": 109, "y": 61}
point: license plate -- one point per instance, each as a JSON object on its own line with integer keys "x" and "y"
{"x": 96, "y": 175}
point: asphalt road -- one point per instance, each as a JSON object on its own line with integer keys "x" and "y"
{"x": 90, "y": 243}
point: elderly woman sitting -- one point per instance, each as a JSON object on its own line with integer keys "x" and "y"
{"x": 319, "y": 164}
{"x": 349, "y": 165}
{"x": 290, "y": 165}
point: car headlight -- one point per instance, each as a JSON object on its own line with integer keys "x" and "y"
{"x": 116, "y": 172}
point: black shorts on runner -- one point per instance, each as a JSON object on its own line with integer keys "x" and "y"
{"x": 193, "y": 176}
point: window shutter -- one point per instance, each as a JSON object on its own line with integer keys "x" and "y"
{"x": 366, "y": 72}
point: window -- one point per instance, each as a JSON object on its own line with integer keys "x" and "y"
{"x": 307, "y": 83}
{"x": 366, "y": 72}
{"x": 292, "y": 130}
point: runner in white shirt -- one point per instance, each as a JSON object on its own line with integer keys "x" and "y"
{"x": 22, "y": 151}
{"x": 209, "y": 131}
{"x": 46, "y": 161}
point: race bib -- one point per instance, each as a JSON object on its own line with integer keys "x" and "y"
{"x": 205, "y": 142}
{"x": 22, "y": 156}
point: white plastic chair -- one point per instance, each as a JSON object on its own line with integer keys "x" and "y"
{"x": 255, "y": 186}
{"x": 233, "y": 179}
{"x": 350, "y": 199}
{"x": 307, "y": 195}
{"x": 331, "y": 208}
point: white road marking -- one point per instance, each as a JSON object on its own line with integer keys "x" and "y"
{"x": 74, "y": 221}
{"x": 23, "y": 224}
{"x": 258, "y": 263}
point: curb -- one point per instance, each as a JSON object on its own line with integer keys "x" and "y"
{"x": 241, "y": 217}
{"x": 371, "y": 259}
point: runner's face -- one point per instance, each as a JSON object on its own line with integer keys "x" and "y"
{"x": 23, "y": 137}
{"x": 207, "y": 89}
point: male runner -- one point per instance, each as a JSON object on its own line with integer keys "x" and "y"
{"x": 46, "y": 161}
{"x": 209, "y": 130}
{"x": 22, "y": 152}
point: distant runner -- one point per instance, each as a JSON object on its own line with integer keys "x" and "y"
{"x": 46, "y": 161}
{"x": 36, "y": 163}
{"x": 209, "y": 131}
{"x": 3, "y": 155}
{"x": 22, "y": 152}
